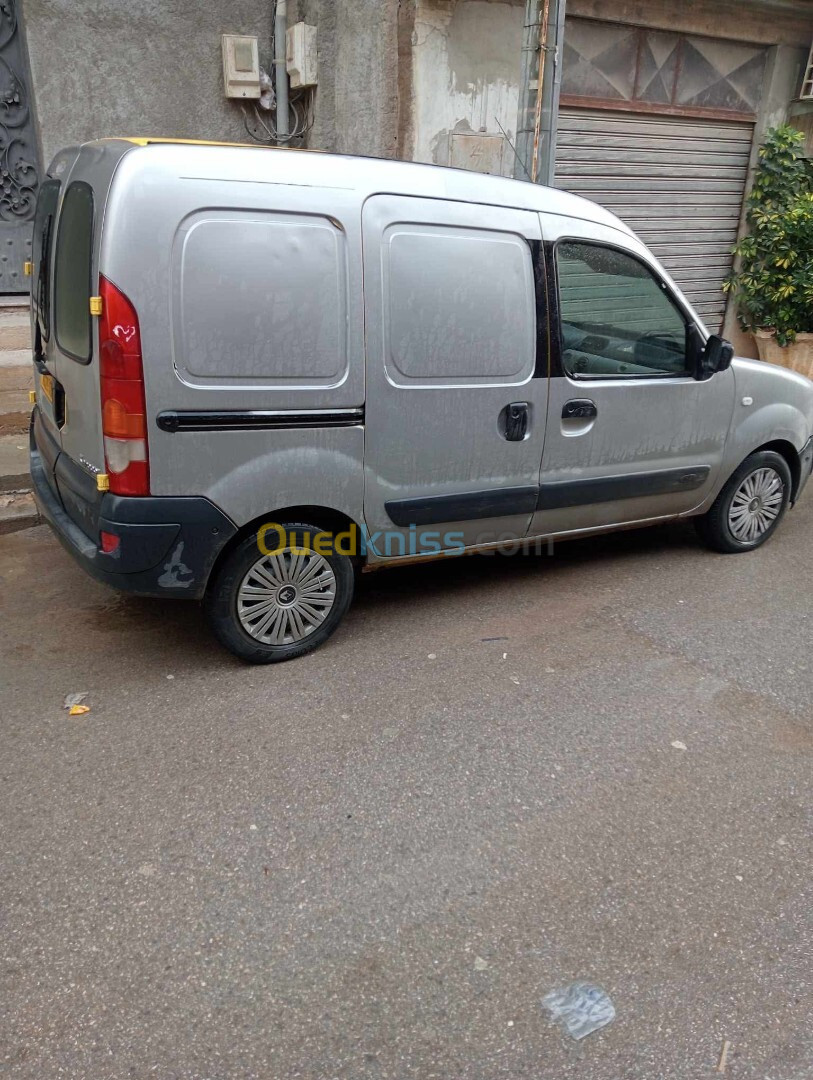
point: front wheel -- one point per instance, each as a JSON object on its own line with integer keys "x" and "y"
{"x": 274, "y": 602}
{"x": 749, "y": 508}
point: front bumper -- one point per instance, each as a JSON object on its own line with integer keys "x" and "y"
{"x": 805, "y": 467}
{"x": 167, "y": 546}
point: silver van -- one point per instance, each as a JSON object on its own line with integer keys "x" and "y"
{"x": 259, "y": 371}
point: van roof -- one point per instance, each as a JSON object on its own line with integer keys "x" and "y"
{"x": 367, "y": 175}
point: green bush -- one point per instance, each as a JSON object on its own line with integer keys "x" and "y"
{"x": 773, "y": 286}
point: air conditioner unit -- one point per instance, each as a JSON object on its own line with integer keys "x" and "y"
{"x": 807, "y": 85}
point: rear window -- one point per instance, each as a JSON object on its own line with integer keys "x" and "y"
{"x": 72, "y": 285}
{"x": 42, "y": 242}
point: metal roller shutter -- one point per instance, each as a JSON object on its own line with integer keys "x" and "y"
{"x": 679, "y": 183}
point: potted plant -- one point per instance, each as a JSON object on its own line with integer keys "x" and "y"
{"x": 773, "y": 283}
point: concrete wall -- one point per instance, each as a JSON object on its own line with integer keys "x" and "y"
{"x": 357, "y": 101}
{"x": 124, "y": 67}
{"x": 367, "y": 77}
{"x": 466, "y": 70}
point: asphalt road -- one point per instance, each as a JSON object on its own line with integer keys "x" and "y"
{"x": 374, "y": 862}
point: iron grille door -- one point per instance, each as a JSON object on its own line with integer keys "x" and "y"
{"x": 19, "y": 172}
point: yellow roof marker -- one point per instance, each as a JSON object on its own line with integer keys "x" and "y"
{"x": 148, "y": 140}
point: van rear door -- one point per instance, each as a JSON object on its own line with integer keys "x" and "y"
{"x": 71, "y": 343}
{"x": 45, "y": 381}
{"x": 69, "y": 217}
{"x": 69, "y": 355}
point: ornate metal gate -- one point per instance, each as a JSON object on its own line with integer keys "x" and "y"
{"x": 19, "y": 172}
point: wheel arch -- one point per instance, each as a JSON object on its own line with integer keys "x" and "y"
{"x": 789, "y": 452}
{"x": 323, "y": 517}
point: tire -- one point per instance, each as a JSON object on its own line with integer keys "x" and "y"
{"x": 750, "y": 507}
{"x": 270, "y": 608}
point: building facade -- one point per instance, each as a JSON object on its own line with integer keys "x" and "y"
{"x": 662, "y": 105}
{"x": 661, "y": 113}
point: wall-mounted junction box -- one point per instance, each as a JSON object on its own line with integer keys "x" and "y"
{"x": 481, "y": 152}
{"x": 302, "y": 62}
{"x": 241, "y": 66}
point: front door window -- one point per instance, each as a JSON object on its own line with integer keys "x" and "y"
{"x": 618, "y": 321}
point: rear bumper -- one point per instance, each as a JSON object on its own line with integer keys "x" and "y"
{"x": 805, "y": 467}
{"x": 167, "y": 546}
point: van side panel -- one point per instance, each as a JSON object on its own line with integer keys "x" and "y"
{"x": 249, "y": 297}
{"x": 251, "y": 473}
{"x": 259, "y": 299}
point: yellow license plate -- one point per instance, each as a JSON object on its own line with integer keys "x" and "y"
{"x": 47, "y": 386}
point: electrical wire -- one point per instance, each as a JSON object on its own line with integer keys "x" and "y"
{"x": 300, "y": 107}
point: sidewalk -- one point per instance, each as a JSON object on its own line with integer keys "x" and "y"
{"x": 17, "y": 508}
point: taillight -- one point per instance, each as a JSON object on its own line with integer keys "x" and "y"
{"x": 124, "y": 411}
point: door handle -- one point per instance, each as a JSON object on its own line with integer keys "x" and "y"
{"x": 579, "y": 409}
{"x": 513, "y": 421}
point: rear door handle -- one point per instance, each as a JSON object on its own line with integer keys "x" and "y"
{"x": 579, "y": 409}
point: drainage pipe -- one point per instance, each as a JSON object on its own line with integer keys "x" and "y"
{"x": 281, "y": 71}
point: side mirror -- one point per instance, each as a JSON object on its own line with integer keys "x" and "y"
{"x": 716, "y": 356}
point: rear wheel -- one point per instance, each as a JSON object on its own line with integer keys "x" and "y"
{"x": 270, "y": 607}
{"x": 749, "y": 508}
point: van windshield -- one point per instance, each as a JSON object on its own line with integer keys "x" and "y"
{"x": 72, "y": 271}
{"x": 42, "y": 242}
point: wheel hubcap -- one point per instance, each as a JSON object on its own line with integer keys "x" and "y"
{"x": 284, "y": 597}
{"x": 756, "y": 505}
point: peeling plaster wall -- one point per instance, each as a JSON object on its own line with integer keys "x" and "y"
{"x": 466, "y": 70}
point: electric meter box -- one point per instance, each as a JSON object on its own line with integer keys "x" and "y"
{"x": 241, "y": 66}
{"x": 302, "y": 60}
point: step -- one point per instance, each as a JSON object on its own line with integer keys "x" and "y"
{"x": 17, "y": 376}
{"x": 15, "y": 330}
{"x": 16, "y": 380}
{"x": 16, "y": 358}
{"x": 15, "y": 413}
{"x": 14, "y": 420}
{"x": 18, "y": 511}
{"x": 14, "y": 463}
